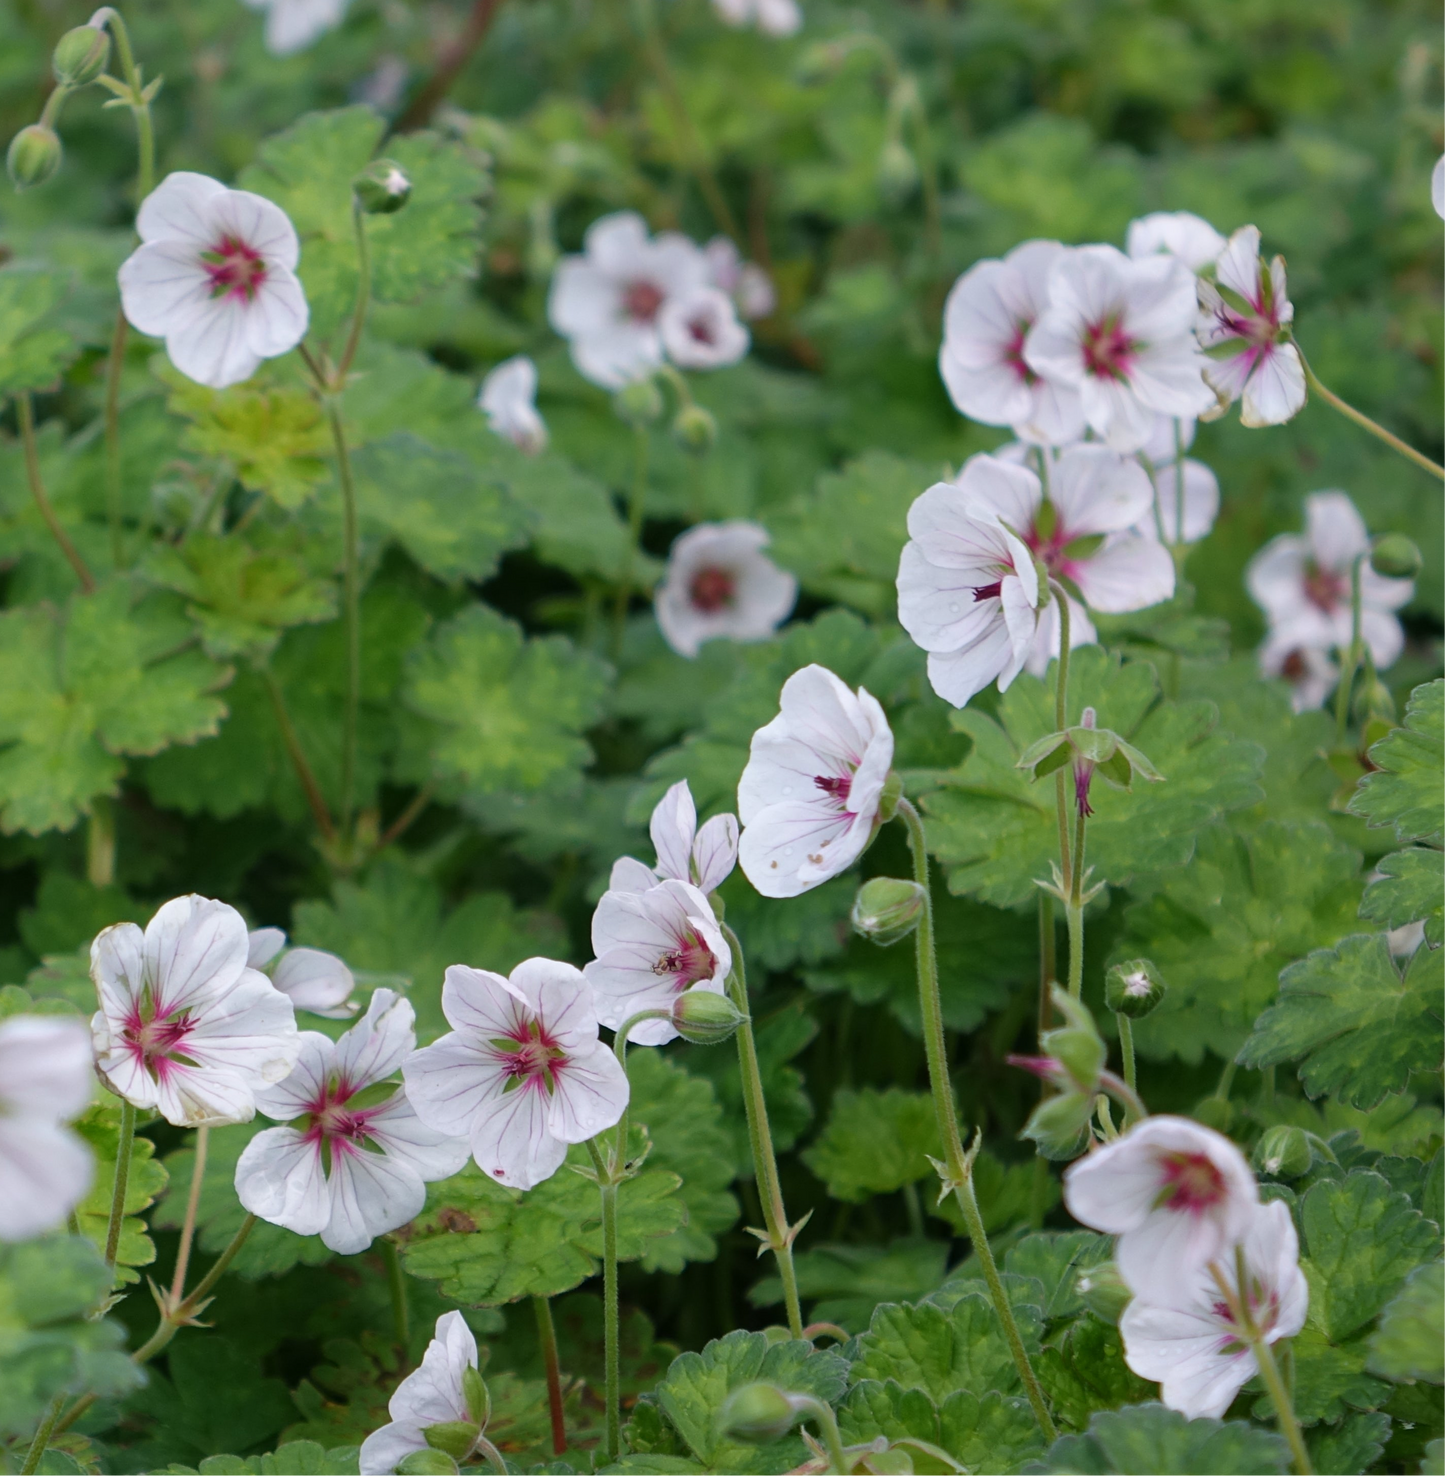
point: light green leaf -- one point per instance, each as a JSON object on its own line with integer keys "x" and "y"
{"x": 1221, "y": 929}
{"x": 295, "y": 1458}
{"x": 1358, "y": 1026}
{"x": 100, "y": 1127}
{"x": 1355, "y": 1444}
{"x": 1362, "y": 1239}
{"x": 845, "y": 1283}
{"x": 1408, "y": 788}
{"x": 875, "y": 1142}
{"x": 34, "y": 350}
{"x": 994, "y": 1433}
{"x": 1410, "y": 1340}
{"x": 997, "y": 832}
{"x": 1329, "y": 1381}
{"x": 1084, "y": 1371}
{"x": 1149, "y": 1440}
{"x": 1410, "y": 887}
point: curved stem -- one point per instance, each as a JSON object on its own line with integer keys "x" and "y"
{"x": 25, "y": 413}
{"x": 765, "y": 1163}
{"x": 491, "y": 1455}
{"x": 139, "y": 107}
{"x": 396, "y": 1285}
{"x": 1365, "y": 423}
{"x": 113, "y": 366}
{"x": 123, "y": 1143}
{"x": 188, "y": 1227}
{"x": 547, "y": 1339}
{"x": 636, "y": 513}
{"x": 1352, "y": 655}
{"x": 38, "y": 1445}
{"x": 959, "y": 1165}
{"x": 822, "y": 1415}
{"x": 309, "y": 786}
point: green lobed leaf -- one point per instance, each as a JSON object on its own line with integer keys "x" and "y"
{"x": 1409, "y": 1343}
{"x": 295, "y": 1458}
{"x": 1410, "y": 887}
{"x": 99, "y": 1125}
{"x": 845, "y": 1283}
{"x": 1407, "y": 789}
{"x": 1355, "y": 1444}
{"x": 1329, "y": 1380}
{"x": 34, "y": 349}
{"x": 1149, "y": 1440}
{"x": 875, "y": 1142}
{"x": 1084, "y": 1371}
{"x": 1358, "y": 1026}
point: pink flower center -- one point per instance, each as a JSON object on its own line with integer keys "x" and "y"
{"x": 641, "y": 300}
{"x": 835, "y": 786}
{"x": 712, "y": 589}
{"x": 702, "y": 329}
{"x": 1192, "y": 1182}
{"x": 992, "y": 591}
{"x": 1013, "y": 354}
{"x": 689, "y": 963}
{"x": 1325, "y": 589}
{"x": 1108, "y": 349}
{"x": 156, "y": 1043}
{"x": 235, "y": 269}
{"x": 531, "y": 1058}
{"x": 334, "y": 1125}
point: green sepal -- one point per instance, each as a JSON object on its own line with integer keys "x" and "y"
{"x": 455, "y": 1438}
{"x": 477, "y": 1396}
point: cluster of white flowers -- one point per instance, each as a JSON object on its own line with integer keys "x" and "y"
{"x": 772, "y": 17}
{"x": 1211, "y": 1269}
{"x": 1303, "y": 583}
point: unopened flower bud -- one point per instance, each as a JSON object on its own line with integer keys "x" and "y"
{"x": 1077, "y": 1046}
{"x": 694, "y": 430}
{"x": 897, "y": 171}
{"x": 34, "y": 156}
{"x": 1059, "y": 1125}
{"x": 455, "y": 1438}
{"x": 705, "y": 1018}
{"x": 1133, "y": 988}
{"x": 1103, "y": 1291}
{"x": 638, "y": 403}
{"x": 757, "y": 1414}
{"x": 1284, "y": 1152}
{"x": 887, "y": 909}
{"x": 479, "y": 1400}
{"x": 81, "y": 55}
{"x": 1214, "y": 1112}
{"x": 1395, "y": 557}
{"x": 427, "y": 1463}
{"x": 382, "y": 187}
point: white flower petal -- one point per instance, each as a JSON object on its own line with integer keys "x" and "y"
{"x": 45, "y": 1067}
{"x": 279, "y": 1178}
{"x": 45, "y": 1171}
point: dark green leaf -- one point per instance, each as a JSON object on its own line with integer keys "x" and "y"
{"x": 1149, "y": 1440}
{"x": 1408, "y": 788}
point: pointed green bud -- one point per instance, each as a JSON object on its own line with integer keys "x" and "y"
{"x": 706, "y": 1018}
{"x": 382, "y": 188}
{"x": 887, "y": 909}
{"x": 454, "y": 1437}
{"x": 897, "y": 171}
{"x": 638, "y": 403}
{"x": 1103, "y": 1291}
{"x": 1284, "y": 1152}
{"x": 479, "y": 1400}
{"x": 695, "y": 430}
{"x": 427, "y": 1463}
{"x": 756, "y": 1414}
{"x": 1133, "y": 988}
{"x": 1077, "y": 1047}
{"x": 81, "y": 55}
{"x": 1395, "y": 557}
{"x": 34, "y": 156}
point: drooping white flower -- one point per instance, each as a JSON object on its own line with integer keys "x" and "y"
{"x": 1186, "y": 1338}
{"x": 700, "y": 329}
{"x": 185, "y": 1027}
{"x": 607, "y": 301}
{"x": 215, "y": 276}
{"x": 1310, "y": 672}
{"x": 1178, "y": 1195}
{"x": 1303, "y": 584}
{"x": 1121, "y": 333}
{"x": 772, "y": 17}
{"x": 292, "y": 25}
{"x": 1244, "y": 319}
{"x": 1437, "y": 187}
{"x": 809, "y": 796}
{"x": 968, "y": 588}
{"x": 986, "y": 319}
{"x": 651, "y": 947}
{"x": 522, "y": 1073}
{"x": 509, "y": 397}
{"x": 348, "y": 1167}
{"x": 749, "y": 286}
{"x": 720, "y": 584}
{"x": 46, "y": 1078}
{"x": 705, "y": 858}
{"x": 1176, "y": 233}
{"x": 313, "y": 980}
{"x": 433, "y": 1395}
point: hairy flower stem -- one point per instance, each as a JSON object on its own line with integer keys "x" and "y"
{"x": 124, "y": 1140}
{"x": 1126, "y": 1049}
{"x": 134, "y": 96}
{"x": 396, "y": 1285}
{"x": 780, "y": 1234}
{"x": 608, "y": 1176}
{"x": 351, "y": 595}
{"x": 547, "y": 1340}
{"x": 1075, "y": 911}
{"x": 1365, "y": 423}
{"x": 1071, "y": 862}
{"x": 958, "y": 1164}
{"x": 25, "y": 414}
{"x": 188, "y": 1226}
{"x": 827, "y": 1422}
{"x": 636, "y": 513}
{"x": 1352, "y": 656}
{"x": 42, "y": 1436}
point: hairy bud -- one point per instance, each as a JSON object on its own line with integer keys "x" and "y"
{"x": 34, "y": 156}
{"x": 1133, "y": 988}
{"x": 427, "y": 1463}
{"x": 639, "y": 403}
{"x": 1395, "y": 557}
{"x": 455, "y": 1438}
{"x": 81, "y": 55}
{"x": 479, "y": 1400}
{"x": 887, "y": 909}
{"x": 1284, "y": 1152}
{"x": 695, "y": 430}
{"x": 382, "y": 187}
{"x": 705, "y": 1018}
{"x": 757, "y": 1414}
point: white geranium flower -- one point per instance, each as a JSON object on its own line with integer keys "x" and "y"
{"x": 46, "y": 1078}
{"x": 652, "y": 946}
{"x": 435, "y": 1394}
{"x": 292, "y": 25}
{"x": 1178, "y": 1196}
{"x": 1437, "y": 187}
{"x": 607, "y": 301}
{"x": 772, "y": 17}
{"x": 749, "y": 286}
{"x": 968, "y": 588}
{"x": 1176, "y": 233}
{"x": 353, "y": 1162}
{"x": 700, "y": 329}
{"x": 1121, "y": 333}
{"x": 1187, "y": 1340}
{"x": 808, "y": 798}
{"x": 522, "y": 1074}
{"x": 705, "y": 858}
{"x": 720, "y": 584}
{"x": 509, "y": 397}
{"x": 313, "y": 980}
{"x": 1244, "y": 318}
{"x": 1178, "y": 479}
{"x": 1310, "y": 672}
{"x": 215, "y": 276}
{"x": 185, "y": 1027}
{"x": 987, "y": 317}
{"x": 1303, "y": 584}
